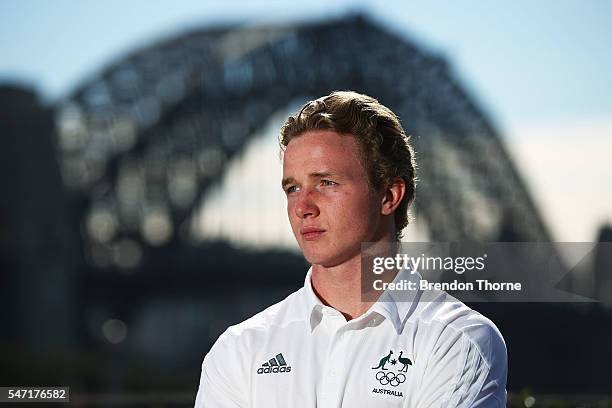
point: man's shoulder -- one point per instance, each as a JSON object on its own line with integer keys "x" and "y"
{"x": 455, "y": 318}
{"x": 291, "y": 310}
{"x": 229, "y": 363}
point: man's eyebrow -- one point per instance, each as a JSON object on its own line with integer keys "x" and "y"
{"x": 316, "y": 174}
{"x": 288, "y": 180}
{"x": 320, "y": 174}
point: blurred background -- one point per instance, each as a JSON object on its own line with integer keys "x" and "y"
{"x": 141, "y": 212}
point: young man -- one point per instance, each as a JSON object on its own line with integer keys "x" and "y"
{"x": 349, "y": 176}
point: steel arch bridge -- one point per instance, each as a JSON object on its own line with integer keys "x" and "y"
{"x": 143, "y": 142}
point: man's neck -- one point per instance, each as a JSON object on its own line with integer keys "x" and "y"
{"x": 340, "y": 287}
{"x": 343, "y": 288}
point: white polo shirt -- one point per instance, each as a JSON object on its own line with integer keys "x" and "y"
{"x": 416, "y": 349}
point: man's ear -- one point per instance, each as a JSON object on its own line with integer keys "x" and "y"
{"x": 393, "y": 195}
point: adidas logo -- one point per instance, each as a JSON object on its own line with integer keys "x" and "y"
{"x": 274, "y": 365}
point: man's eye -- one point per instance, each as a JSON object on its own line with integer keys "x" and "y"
{"x": 328, "y": 183}
{"x": 291, "y": 189}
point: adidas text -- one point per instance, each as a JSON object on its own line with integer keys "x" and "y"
{"x": 267, "y": 370}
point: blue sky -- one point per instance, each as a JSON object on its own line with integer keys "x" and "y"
{"x": 524, "y": 60}
{"x": 541, "y": 69}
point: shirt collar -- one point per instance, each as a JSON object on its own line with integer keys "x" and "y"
{"x": 395, "y": 305}
{"x": 312, "y": 300}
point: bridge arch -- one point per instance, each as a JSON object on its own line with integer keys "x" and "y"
{"x": 144, "y": 141}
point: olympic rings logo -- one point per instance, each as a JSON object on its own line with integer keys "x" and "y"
{"x": 390, "y": 378}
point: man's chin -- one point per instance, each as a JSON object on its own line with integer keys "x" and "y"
{"x": 325, "y": 260}
{"x": 316, "y": 258}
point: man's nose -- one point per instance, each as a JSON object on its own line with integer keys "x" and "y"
{"x": 306, "y": 205}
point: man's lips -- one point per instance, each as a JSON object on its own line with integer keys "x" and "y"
{"x": 311, "y": 233}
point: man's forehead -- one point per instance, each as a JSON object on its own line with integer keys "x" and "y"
{"x": 322, "y": 144}
{"x": 319, "y": 162}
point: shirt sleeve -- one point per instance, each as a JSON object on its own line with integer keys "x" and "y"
{"x": 223, "y": 382}
{"x": 467, "y": 369}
